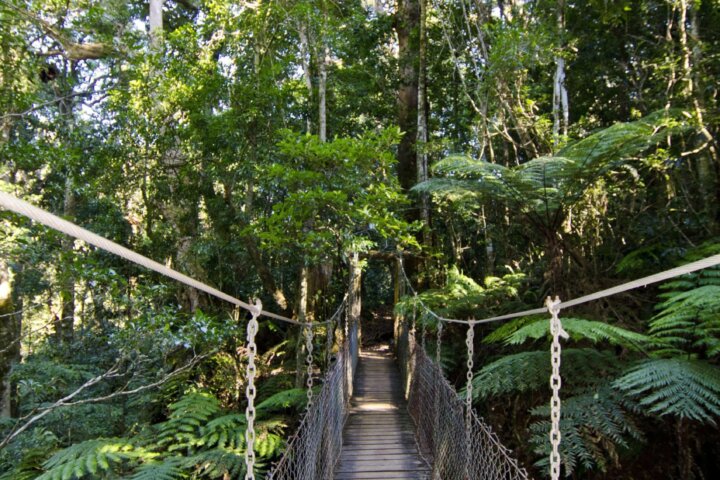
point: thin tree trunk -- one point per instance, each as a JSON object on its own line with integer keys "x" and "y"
{"x": 307, "y": 74}
{"x": 708, "y": 161}
{"x": 9, "y": 348}
{"x": 301, "y": 317}
{"x": 322, "y": 87}
{"x": 561, "y": 112}
{"x": 422, "y": 128}
{"x": 64, "y": 327}
{"x": 156, "y": 24}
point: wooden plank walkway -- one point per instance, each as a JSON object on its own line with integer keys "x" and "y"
{"x": 379, "y": 436}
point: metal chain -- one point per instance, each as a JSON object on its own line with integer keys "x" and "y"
{"x": 470, "y": 344}
{"x": 252, "y": 329}
{"x": 309, "y": 361}
{"x": 329, "y": 337}
{"x": 438, "y": 347}
{"x": 557, "y": 331}
{"x": 413, "y": 326}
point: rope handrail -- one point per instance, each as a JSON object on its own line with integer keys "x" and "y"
{"x": 14, "y": 204}
{"x": 707, "y": 262}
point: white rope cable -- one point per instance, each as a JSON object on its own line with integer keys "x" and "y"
{"x": 9, "y": 202}
{"x": 641, "y": 282}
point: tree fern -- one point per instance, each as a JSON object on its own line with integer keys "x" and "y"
{"x": 528, "y": 371}
{"x": 578, "y": 329}
{"x": 91, "y": 457}
{"x": 688, "y": 318}
{"x": 218, "y": 463}
{"x": 542, "y": 186}
{"x": 679, "y": 387}
{"x": 29, "y": 467}
{"x": 226, "y": 431}
{"x": 182, "y": 430}
{"x": 172, "y": 468}
{"x": 594, "y": 425}
{"x": 294, "y": 398}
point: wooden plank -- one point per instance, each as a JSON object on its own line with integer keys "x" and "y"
{"x": 379, "y": 436}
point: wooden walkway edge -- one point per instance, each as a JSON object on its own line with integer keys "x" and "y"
{"x": 379, "y": 436}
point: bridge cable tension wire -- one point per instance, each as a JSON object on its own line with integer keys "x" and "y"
{"x": 14, "y": 204}
{"x": 711, "y": 261}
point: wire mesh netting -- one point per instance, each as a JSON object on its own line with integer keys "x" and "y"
{"x": 313, "y": 451}
{"x": 455, "y": 451}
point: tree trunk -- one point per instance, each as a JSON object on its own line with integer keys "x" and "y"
{"x": 407, "y": 22}
{"x": 322, "y": 86}
{"x": 707, "y": 158}
{"x": 156, "y": 24}
{"x": 301, "y": 317}
{"x": 561, "y": 112}
{"x": 65, "y": 326}
{"x": 307, "y": 74}
{"x": 9, "y": 347}
{"x": 422, "y": 129}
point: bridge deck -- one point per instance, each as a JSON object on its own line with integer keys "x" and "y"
{"x": 379, "y": 438}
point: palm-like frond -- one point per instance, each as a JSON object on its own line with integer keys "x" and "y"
{"x": 578, "y": 329}
{"x": 91, "y": 457}
{"x": 528, "y": 371}
{"x": 594, "y": 425}
{"x": 543, "y": 186}
{"x": 678, "y": 387}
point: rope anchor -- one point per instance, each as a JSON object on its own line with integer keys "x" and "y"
{"x": 557, "y": 331}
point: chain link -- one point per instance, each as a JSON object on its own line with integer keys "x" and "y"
{"x": 557, "y": 331}
{"x": 309, "y": 361}
{"x": 470, "y": 344}
{"x": 329, "y": 337}
{"x": 438, "y": 344}
{"x": 252, "y": 329}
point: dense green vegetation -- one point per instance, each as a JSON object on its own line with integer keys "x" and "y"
{"x": 511, "y": 150}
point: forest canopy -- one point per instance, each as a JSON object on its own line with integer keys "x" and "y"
{"x": 507, "y": 150}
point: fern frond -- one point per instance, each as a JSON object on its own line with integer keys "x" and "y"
{"x": 91, "y": 457}
{"x": 295, "y": 398}
{"x": 677, "y": 387}
{"x": 528, "y": 371}
{"x": 504, "y": 331}
{"x": 172, "y": 468}
{"x": 29, "y": 468}
{"x": 218, "y": 463}
{"x": 594, "y": 424}
{"x": 579, "y": 329}
{"x": 188, "y": 415}
{"x": 227, "y": 431}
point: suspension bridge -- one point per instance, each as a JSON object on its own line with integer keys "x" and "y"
{"x": 380, "y": 414}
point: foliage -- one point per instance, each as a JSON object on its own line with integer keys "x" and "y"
{"x": 678, "y": 387}
{"x": 544, "y": 187}
{"x": 529, "y": 371}
{"x": 594, "y": 426}
{"x": 578, "y": 329}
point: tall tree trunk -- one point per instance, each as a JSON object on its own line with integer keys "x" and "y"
{"x": 561, "y": 109}
{"x": 9, "y": 332}
{"x": 407, "y": 23}
{"x": 65, "y": 326}
{"x": 156, "y": 24}
{"x": 322, "y": 87}
{"x": 307, "y": 74}
{"x": 422, "y": 127}
{"x": 407, "y": 27}
{"x": 707, "y": 158}
{"x": 302, "y": 316}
